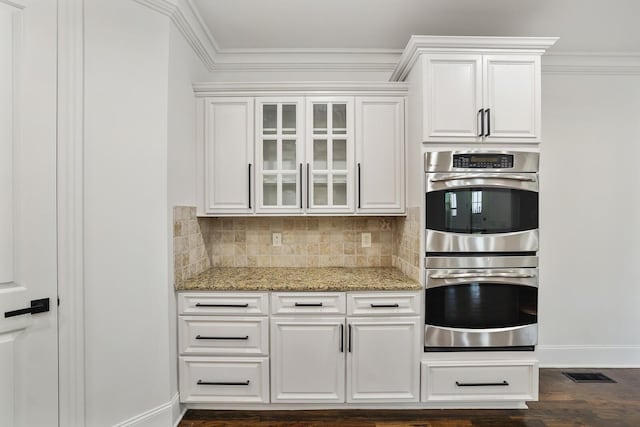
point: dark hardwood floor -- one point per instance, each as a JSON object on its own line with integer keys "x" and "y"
{"x": 563, "y": 403}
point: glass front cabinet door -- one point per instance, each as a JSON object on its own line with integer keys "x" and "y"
{"x": 279, "y": 155}
{"x": 330, "y": 151}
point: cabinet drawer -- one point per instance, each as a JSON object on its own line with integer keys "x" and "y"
{"x": 224, "y": 335}
{"x": 217, "y": 379}
{"x": 391, "y": 303}
{"x": 484, "y": 381}
{"x": 245, "y": 303}
{"x": 308, "y": 303}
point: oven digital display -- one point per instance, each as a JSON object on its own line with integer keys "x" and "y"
{"x": 483, "y": 161}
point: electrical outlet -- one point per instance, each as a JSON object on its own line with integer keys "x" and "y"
{"x": 276, "y": 239}
{"x": 366, "y": 240}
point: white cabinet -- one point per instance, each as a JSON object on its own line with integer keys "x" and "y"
{"x": 308, "y": 359}
{"x": 330, "y": 161}
{"x": 279, "y": 155}
{"x": 379, "y": 136}
{"x": 475, "y": 98}
{"x": 383, "y": 362}
{"x": 226, "y": 134}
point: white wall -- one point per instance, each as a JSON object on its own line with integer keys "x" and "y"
{"x": 126, "y": 274}
{"x": 590, "y": 220}
{"x": 6, "y": 144}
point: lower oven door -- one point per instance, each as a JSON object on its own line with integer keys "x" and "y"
{"x": 469, "y": 308}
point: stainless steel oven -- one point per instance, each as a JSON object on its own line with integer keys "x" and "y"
{"x": 481, "y": 201}
{"x": 481, "y": 303}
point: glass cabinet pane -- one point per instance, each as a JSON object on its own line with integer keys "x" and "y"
{"x": 339, "y": 154}
{"x": 269, "y": 119}
{"x": 289, "y": 119}
{"x": 320, "y": 154}
{"x": 320, "y": 118}
{"x": 289, "y": 154}
{"x": 289, "y": 190}
{"x": 340, "y": 190}
{"x": 339, "y": 118}
{"x": 269, "y": 154}
{"x": 320, "y": 193}
{"x": 270, "y": 190}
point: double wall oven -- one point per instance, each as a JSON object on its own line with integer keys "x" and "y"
{"x": 481, "y": 240}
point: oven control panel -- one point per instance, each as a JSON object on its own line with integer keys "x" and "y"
{"x": 483, "y": 161}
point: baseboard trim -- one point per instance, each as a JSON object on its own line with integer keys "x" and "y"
{"x": 589, "y": 356}
{"x": 155, "y": 413}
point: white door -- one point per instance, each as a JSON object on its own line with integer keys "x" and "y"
{"x": 452, "y": 98}
{"x": 383, "y": 359}
{"x": 307, "y": 359}
{"x": 512, "y": 97}
{"x": 28, "y": 265}
{"x": 380, "y": 180}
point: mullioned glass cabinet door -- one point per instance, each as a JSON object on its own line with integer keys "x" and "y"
{"x": 330, "y": 154}
{"x": 279, "y": 155}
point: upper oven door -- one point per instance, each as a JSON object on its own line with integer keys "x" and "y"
{"x": 482, "y": 212}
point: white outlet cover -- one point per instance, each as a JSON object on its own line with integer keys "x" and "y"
{"x": 276, "y": 239}
{"x": 366, "y": 240}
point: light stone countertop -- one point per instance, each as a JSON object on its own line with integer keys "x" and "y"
{"x": 294, "y": 279}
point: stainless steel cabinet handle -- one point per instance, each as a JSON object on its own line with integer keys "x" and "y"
{"x": 503, "y": 383}
{"x": 484, "y": 176}
{"x": 482, "y": 276}
{"x": 200, "y": 337}
{"x": 200, "y": 382}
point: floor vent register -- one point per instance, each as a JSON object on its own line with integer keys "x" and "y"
{"x": 588, "y": 377}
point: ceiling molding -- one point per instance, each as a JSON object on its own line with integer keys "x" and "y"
{"x": 300, "y": 88}
{"x": 189, "y": 22}
{"x": 592, "y": 63}
{"x": 18, "y": 4}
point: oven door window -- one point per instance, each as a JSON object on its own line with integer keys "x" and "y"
{"x": 482, "y": 210}
{"x": 481, "y": 305}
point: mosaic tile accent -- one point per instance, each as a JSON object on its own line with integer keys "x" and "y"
{"x": 406, "y": 243}
{"x": 189, "y": 254}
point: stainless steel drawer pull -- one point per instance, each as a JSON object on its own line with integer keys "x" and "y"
{"x": 200, "y": 337}
{"x": 503, "y": 383}
{"x": 304, "y": 304}
{"x": 200, "y": 382}
{"x": 385, "y": 305}
{"x": 482, "y": 276}
{"x": 222, "y": 305}
{"x": 484, "y": 176}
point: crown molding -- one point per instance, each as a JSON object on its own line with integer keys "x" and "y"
{"x": 592, "y": 63}
{"x": 300, "y": 88}
{"x": 18, "y": 4}
{"x": 189, "y": 22}
{"x": 418, "y": 45}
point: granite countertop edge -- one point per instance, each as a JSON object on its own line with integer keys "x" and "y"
{"x": 296, "y": 279}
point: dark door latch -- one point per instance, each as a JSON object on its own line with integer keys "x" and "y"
{"x": 37, "y": 306}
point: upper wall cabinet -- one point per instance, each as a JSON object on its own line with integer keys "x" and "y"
{"x": 226, "y": 129}
{"x": 474, "y": 89}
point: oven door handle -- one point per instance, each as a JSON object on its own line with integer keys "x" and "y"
{"x": 482, "y": 276}
{"x": 510, "y": 177}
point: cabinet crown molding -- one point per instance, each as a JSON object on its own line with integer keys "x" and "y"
{"x": 418, "y": 45}
{"x": 299, "y": 88}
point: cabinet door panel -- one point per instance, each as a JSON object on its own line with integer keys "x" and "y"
{"x": 380, "y": 179}
{"x": 307, "y": 363}
{"x": 228, "y": 152}
{"x": 512, "y": 94}
{"x": 384, "y": 359}
{"x": 452, "y": 97}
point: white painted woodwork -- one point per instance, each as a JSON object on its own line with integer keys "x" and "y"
{"x": 279, "y": 172}
{"x": 512, "y": 93}
{"x": 228, "y": 154}
{"x": 452, "y": 97}
{"x": 441, "y": 380}
{"x": 6, "y": 143}
{"x": 255, "y": 370}
{"x": 383, "y": 363}
{"x": 206, "y": 335}
{"x": 308, "y": 303}
{"x": 332, "y": 174}
{"x": 223, "y": 303}
{"x": 380, "y": 303}
{"x": 307, "y": 359}
{"x": 380, "y": 141}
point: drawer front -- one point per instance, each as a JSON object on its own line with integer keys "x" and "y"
{"x": 380, "y": 303}
{"x": 479, "y": 382}
{"x": 224, "y": 335}
{"x": 308, "y": 303}
{"x": 245, "y": 303}
{"x": 224, "y": 380}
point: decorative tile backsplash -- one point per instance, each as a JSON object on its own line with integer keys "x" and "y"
{"x": 406, "y": 243}
{"x": 189, "y": 254}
